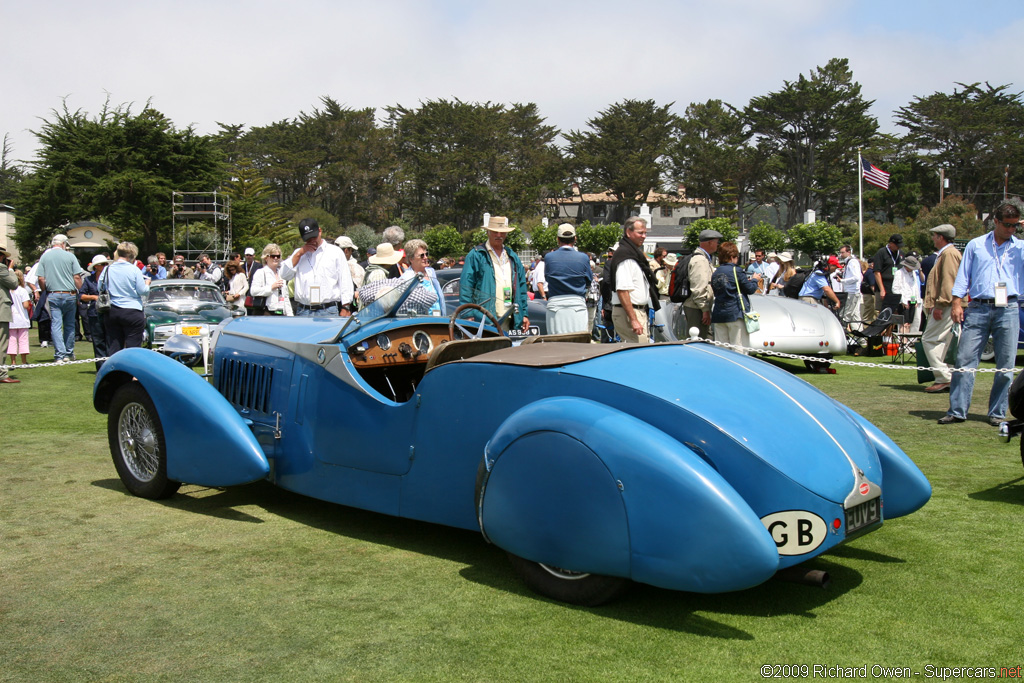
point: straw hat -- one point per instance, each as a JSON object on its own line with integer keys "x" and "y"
{"x": 385, "y": 256}
{"x": 499, "y": 224}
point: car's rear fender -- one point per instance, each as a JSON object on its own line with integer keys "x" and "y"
{"x": 207, "y": 441}
{"x": 576, "y": 484}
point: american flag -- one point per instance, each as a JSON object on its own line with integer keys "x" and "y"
{"x": 874, "y": 175}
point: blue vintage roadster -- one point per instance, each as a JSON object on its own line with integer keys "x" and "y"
{"x": 590, "y": 464}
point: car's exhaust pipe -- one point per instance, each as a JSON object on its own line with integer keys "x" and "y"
{"x": 808, "y": 577}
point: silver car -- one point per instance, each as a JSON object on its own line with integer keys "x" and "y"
{"x": 787, "y": 326}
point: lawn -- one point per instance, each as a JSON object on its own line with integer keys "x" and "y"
{"x": 254, "y": 583}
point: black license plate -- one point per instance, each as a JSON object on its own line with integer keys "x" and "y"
{"x": 867, "y": 513}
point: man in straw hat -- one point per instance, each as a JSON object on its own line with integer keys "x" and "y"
{"x": 380, "y": 263}
{"x": 323, "y": 283}
{"x": 938, "y": 305}
{"x": 494, "y": 277}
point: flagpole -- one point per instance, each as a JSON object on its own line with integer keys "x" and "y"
{"x": 860, "y": 203}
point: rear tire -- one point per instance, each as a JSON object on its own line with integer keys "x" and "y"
{"x": 137, "y": 443}
{"x": 988, "y": 354}
{"x": 588, "y": 590}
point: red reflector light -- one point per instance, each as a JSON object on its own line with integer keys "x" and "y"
{"x": 836, "y": 523}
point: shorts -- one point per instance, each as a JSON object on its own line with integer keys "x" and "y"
{"x": 18, "y": 343}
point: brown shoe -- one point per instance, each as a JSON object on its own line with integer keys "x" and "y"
{"x": 937, "y": 388}
{"x": 9, "y": 380}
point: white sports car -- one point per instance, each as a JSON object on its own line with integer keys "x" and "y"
{"x": 787, "y": 325}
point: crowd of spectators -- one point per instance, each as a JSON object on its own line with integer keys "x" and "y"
{"x": 324, "y": 278}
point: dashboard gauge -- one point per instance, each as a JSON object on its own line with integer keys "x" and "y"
{"x": 383, "y": 341}
{"x": 421, "y": 340}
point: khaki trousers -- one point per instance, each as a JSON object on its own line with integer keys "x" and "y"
{"x": 625, "y": 331}
{"x": 936, "y": 338}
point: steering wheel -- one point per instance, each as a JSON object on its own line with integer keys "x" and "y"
{"x": 453, "y": 322}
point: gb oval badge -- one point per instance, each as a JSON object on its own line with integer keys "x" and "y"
{"x": 795, "y": 532}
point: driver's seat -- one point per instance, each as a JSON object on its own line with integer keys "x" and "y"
{"x": 461, "y": 349}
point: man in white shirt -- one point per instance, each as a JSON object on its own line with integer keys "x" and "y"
{"x": 323, "y": 282}
{"x": 851, "y": 281}
{"x": 633, "y": 286}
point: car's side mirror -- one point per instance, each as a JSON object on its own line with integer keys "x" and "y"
{"x": 184, "y": 349}
{"x": 237, "y": 312}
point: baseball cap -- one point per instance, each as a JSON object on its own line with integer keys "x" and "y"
{"x": 308, "y": 229}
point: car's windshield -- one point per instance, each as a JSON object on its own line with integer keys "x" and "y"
{"x": 394, "y": 297}
{"x": 184, "y": 295}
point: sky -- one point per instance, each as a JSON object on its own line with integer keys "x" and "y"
{"x": 204, "y": 62}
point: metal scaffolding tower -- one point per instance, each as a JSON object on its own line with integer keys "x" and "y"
{"x": 201, "y": 223}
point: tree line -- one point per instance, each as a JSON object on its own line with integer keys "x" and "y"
{"x": 444, "y": 163}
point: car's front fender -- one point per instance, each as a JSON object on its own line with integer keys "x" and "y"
{"x": 207, "y": 441}
{"x": 905, "y": 489}
{"x": 580, "y": 485}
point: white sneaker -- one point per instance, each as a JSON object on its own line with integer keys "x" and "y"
{"x": 44, "y": 344}
{"x": 62, "y": 361}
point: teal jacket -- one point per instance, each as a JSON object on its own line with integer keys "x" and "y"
{"x": 477, "y": 283}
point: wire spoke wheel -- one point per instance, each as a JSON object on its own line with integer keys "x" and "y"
{"x": 137, "y": 438}
{"x": 565, "y": 585}
{"x": 137, "y": 443}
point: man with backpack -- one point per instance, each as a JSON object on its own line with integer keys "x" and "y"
{"x": 695, "y": 310}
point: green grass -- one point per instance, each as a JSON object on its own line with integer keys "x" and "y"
{"x": 254, "y": 583}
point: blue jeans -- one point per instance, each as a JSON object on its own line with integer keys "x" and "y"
{"x": 329, "y": 312}
{"x": 981, "y": 321}
{"x": 62, "y": 324}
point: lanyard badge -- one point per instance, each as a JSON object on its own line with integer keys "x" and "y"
{"x": 1000, "y": 297}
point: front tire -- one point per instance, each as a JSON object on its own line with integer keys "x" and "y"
{"x": 137, "y": 443}
{"x": 588, "y": 590}
{"x": 819, "y": 366}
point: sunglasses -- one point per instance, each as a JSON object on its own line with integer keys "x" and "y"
{"x": 273, "y": 256}
{"x": 1010, "y": 224}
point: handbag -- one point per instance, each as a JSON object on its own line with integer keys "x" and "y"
{"x": 752, "y": 319}
{"x": 103, "y": 297}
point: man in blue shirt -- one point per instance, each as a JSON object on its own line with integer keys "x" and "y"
{"x": 568, "y": 276}
{"x": 816, "y": 287}
{"x": 990, "y": 273}
{"x": 60, "y": 275}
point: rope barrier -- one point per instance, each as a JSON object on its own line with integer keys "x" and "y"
{"x": 852, "y": 363}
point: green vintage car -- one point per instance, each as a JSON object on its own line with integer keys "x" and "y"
{"x": 191, "y": 307}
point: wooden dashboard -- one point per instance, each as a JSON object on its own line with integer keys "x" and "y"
{"x": 405, "y": 346}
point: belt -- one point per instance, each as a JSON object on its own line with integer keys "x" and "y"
{"x": 639, "y": 307}
{"x": 61, "y": 291}
{"x": 318, "y": 307}
{"x": 992, "y": 301}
